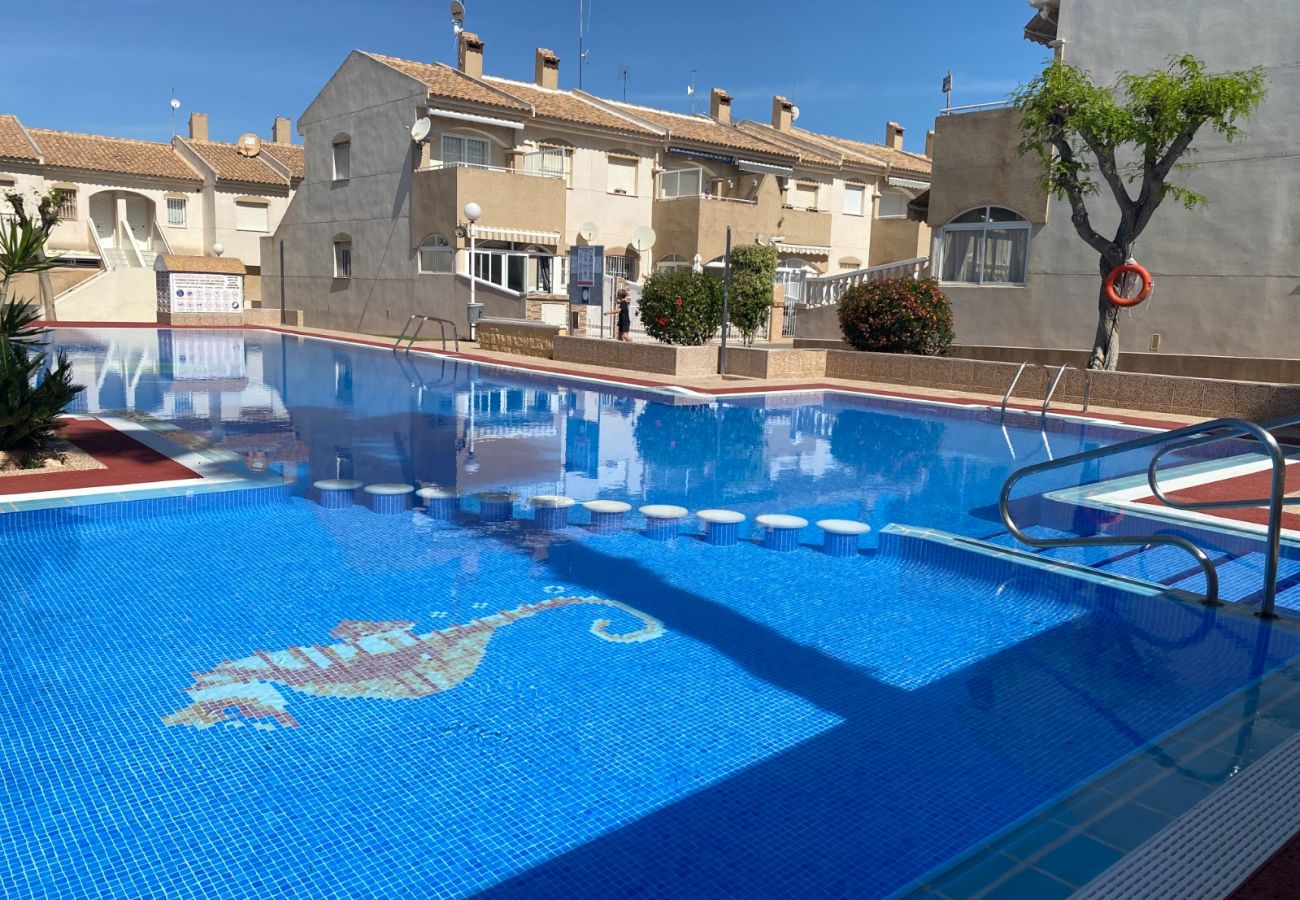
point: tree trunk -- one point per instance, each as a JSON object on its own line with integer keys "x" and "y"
{"x": 47, "y": 296}
{"x": 1105, "y": 346}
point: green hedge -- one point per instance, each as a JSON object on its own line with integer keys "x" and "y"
{"x": 897, "y": 315}
{"x": 681, "y": 307}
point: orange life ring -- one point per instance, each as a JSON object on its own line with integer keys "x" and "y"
{"x": 1128, "y": 268}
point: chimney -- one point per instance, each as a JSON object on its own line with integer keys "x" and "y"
{"x": 280, "y": 133}
{"x": 469, "y": 55}
{"x": 929, "y": 144}
{"x": 198, "y": 126}
{"x": 546, "y": 69}
{"x": 720, "y": 105}
{"x": 893, "y": 136}
{"x": 782, "y": 113}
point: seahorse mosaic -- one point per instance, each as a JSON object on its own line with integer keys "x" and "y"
{"x": 380, "y": 660}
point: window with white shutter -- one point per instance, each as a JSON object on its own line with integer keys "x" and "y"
{"x": 250, "y": 216}
{"x": 682, "y": 182}
{"x": 622, "y": 176}
{"x": 892, "y": 206}
{"x": 342, "y": 160}
{"x": 805, "y": 195}
{"x": 854, "y": 199}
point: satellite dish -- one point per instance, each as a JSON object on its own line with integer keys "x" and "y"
{"x": 587, "y": 230}
{"x": 794, "y": 114}
{"x": 643, "y": 238}
{"x": 457, "y": 11}
{"x": 176, "y": 104}
{"x": 420, "y": 130}
{"x": 249, "y": 144}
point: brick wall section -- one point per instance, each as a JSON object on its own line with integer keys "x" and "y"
{"x": 662, "y": 359}
{"x": 523, "y": 338}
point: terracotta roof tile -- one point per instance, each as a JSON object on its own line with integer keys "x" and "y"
{"x": 568, "y": 107}
{"x": 13, "y": 144}
{"x": 291, "y": 155}
{"x": 701, "y": 130}
{"x": 217, "y": 265}
{"x": 828, "y": 156}
{"x": 444, "y": 81}
{"x": 900, "y": 160}
{"x": 231, "y": 165}
{"x": 109, "y": 154}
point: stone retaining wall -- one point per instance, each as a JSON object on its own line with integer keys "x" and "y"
{"x": 752, "y": 363}
{"x": 661, "y": 359}
{"x": 516, "y": 336}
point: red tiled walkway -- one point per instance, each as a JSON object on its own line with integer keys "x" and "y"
{"x": 127, "y": 461}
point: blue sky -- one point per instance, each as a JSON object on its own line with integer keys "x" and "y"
{"x": 109, "y": 66}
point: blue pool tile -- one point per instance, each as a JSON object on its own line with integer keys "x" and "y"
{"x": 1030, "y": 885}
{"x": 1174, "y": 794}
{"x": 974, "y": 876}
{"x": 1078, "y": 860}
{"x": 1128, "y": 826}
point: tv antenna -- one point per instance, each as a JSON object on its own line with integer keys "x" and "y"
{"x": 583, "y": 24}
{"x": 690, "y": 91}
{"x": 623, "y": 73}
{"x": 457, "y": 26}
{"x": 175, "y": 104}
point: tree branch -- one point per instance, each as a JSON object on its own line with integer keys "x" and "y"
{"x": 1074, "y": 194}
{"x": 1109, "y": 170}
{"x": 1154, "y": 175}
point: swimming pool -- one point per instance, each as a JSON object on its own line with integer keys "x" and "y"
{"x": 277, "y": 699}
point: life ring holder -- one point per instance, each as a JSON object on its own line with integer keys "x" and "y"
{"x": 1129, "y": 267}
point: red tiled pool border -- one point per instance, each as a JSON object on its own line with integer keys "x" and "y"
{"x": 125, "y": 459}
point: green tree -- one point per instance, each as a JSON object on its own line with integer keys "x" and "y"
{"x": 679, "y": 306}
{"x": 753, "y": 270}
{"x": 1133, "y": 133}
{"x": 38, "y": 231}
{"x": 897, "y": 315}
{"x": 31, "y": 394}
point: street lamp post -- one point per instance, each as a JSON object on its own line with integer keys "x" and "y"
{"x": 472, "y": 213}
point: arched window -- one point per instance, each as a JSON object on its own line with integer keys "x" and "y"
{"x": 670, "y": 262}
{"x": 434, "y": 256}
{"x": 988, "y": 245}
{"x": 342, "y": 256}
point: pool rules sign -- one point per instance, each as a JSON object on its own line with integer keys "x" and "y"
{"x": 200, "y": 292}
{"x": 587, "y": 275}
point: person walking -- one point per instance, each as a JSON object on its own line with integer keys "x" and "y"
{"x": 624, "y": 312}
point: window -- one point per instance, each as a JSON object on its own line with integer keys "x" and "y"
{"x": 854, "y": 199}
{"x": 621, "y": 267}
{"x": 549, "y": 161}
{"x": 342, "y": 159}
{"x": 176, "y": 212}
{"x": 342, "y": 258}
{"x": 989, "y": 245}
{"x": 892, "y": 206}
{"x": 515, "y": 267}
{"x": 67, "y": 205}
{"x": 681, "y": 182}
{"x": 805, "y": 195}
{"x": 670, "y": 262}
{"x": 434, "y": 256}
{"x": 621, "y": 177}
{"x": 464, "y": 151}
{"x": 249, "y": 216}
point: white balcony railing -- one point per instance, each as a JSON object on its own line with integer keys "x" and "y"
{"x": 976, "y": 107}
{"x": 464, "y": 165}
{"x": 821, "y": 291}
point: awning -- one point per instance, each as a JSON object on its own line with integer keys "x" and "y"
{"x": 749, "y": 165}
{"x": 471, "y": 117}
{"x": 918, "y": 209}
{"x": 895, "y": 181}
{"x": 522, "y": 235}
{"x": 803, "y": 249}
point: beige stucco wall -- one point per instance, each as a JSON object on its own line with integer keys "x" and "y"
{"x": 894, "y": 240}
{"x": 244, "y": 245}
{"x": 975, "y": 159}
{"x": 851, "y": 236}
{"x": 508, "y": 200}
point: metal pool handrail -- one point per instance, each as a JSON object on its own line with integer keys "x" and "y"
{"x": 1051, "y": 391}
{"x": 1191, "y": 435}
{"x": 1027, "y": 364}
{"x": 442, "y": 329}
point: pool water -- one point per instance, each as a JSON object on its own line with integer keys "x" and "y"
{"x": 282, "y": 700}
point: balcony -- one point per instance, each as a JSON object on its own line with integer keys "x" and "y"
{"x": 698, "y": 224}
{"x": 517, "y": 204}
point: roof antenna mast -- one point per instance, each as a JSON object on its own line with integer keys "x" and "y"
{"x": 175, "y": 104}
{"x": 624, "y": 72}
{"x": 457, "y": 26}
{"x": 582, "y": 29}
{"x": 690, "y": 91}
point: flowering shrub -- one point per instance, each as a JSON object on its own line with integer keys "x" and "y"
{"x": 897, "y": 315}
{"x": 681, "y": 307}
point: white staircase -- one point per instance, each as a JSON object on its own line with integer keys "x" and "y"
{"x": 117, "y": 258}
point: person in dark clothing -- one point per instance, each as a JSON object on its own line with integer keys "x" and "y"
{"x": 624, "y": 313}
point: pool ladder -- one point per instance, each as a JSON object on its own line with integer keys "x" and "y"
{"x": 1051, "y": 391}
{"x": 442, "y": 328}
{"x": 1168, "y": 442}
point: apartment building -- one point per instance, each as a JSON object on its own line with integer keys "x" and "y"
{"x": 1227, "y": 286}
{"x": 127, "y": 201}
{"x": 376, "y": 230}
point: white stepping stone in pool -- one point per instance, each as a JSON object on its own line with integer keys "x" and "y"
{"x": 781, "y": 531}
{"x": 841, "y": 535}
{"x": 722, "y": 525}
{"x": 437, "y": 492}
{"x": 662, "y": 520}
{"x": 441, "y": 502}
{"x": 335, "y": 493}
{"x": 551, "y": 511}
{"x": 496, "y": 506}
{"x": 389, "y": 497}
{"x": 606, "y": 515}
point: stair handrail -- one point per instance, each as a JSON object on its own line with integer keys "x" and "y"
{"x": 1006, "y": 398}
{"x": 1051, "y": 391}
{"x": 1175, "y": 438}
